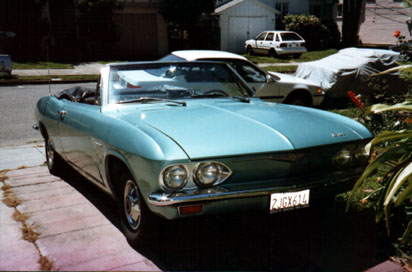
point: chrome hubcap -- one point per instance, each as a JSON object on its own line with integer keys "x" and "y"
{"x": 50, "y": 153}
{"x": 131, "y": 204}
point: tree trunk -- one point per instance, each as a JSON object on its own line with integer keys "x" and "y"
{"x": 352, "y": 10}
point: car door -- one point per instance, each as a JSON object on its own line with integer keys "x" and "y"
{"x": 264, "y": 85}
{"x": 268, "y": 42}
{"x": 260, "y": 39}
{"x": 75, "y": 128}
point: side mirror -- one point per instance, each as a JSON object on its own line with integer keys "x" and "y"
{"x": 270, "y": 79}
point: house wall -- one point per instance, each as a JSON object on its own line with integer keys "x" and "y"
{"x": 242, "y": 22}
{"x": 298, "y": 6}
{"x": 295, "y": 6}
{"x": 143, "y": 33}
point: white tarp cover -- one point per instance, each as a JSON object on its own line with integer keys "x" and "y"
{"x": 347, "y": 70}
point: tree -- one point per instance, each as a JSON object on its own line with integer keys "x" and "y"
{"x": 352, "y": 10}
{"x": 183, "y": 15}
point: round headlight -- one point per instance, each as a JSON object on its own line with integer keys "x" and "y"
{"x": 343, "y": 157}
{"x": 360, "y": 153}
{"x": 175, "y": 177}
{"x": 207, "y": 174}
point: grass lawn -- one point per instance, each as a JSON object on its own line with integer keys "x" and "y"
{"x": 42, "y": 65}
{"x": 308, "y": 56}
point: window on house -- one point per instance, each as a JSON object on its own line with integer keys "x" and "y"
{"x": 283, "y": 8}
{"x": 315, "y": 9}
{"x": 340, "y": 11}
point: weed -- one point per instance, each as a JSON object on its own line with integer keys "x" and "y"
{"x": 10, "y": 199}
{"x": 19, "y": 216}
{"x": 46, "y": 264}
{"x": 3, "y": 176}
{"x": 29, "y": 234}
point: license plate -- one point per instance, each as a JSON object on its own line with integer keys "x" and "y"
{"x": 289, "y": 201}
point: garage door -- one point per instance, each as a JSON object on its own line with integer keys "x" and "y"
{"x": 242, "y": 29}
{"x": 138, "y": 36}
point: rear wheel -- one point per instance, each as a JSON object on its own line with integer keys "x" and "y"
{"x": 53, "y": 160}
{"x": 296, "y": 56}
{"x": 137, "y": 222}
{"x": 272, "y": 53}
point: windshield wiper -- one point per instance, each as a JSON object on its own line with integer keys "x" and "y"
{"x": 242, "y": 99}
{"x": 152, "y": 99}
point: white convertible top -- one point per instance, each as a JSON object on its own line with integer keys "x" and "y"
{"x": 191, "y": 55}
{"x": 347, "y": 69}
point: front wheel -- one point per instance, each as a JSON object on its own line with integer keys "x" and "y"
{"x": 137, "y": 222}
{"x": 53, "y": 160}
{"x": 249, "y": 51}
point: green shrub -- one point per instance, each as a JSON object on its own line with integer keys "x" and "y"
{"x": 317, "y": 34}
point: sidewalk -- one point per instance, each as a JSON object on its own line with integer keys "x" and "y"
{"x": 62, "y": 229}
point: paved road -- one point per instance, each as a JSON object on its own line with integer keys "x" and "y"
{"x": 17, "y": 104}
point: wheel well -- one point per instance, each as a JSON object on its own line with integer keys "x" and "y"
{"x": 114, "y": 168}
{"x": 305, "y": 95}
{"x": 43, "y": 131}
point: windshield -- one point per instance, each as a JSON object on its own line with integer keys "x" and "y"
{"x": 173, "y": 81}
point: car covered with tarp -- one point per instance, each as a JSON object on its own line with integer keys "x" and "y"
{"x": 349, "y": 70}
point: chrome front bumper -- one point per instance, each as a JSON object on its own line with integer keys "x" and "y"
{"x": 162, "y": 199}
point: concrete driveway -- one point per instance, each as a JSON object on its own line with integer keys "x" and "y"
{"x": 47, "y": 224}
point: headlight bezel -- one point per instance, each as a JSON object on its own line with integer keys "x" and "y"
{"x": 193, "y": 180}
{"x": 356, "y": 154}
{"x": 223, "y": 172}
{"x": 166, "y": 172}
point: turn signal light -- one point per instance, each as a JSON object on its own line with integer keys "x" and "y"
{"x": 192, "y": 209}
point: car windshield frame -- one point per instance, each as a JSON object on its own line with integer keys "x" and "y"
{"x": 154, "y": 82}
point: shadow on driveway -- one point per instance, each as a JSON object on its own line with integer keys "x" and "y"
{"x": 320, "y": 238}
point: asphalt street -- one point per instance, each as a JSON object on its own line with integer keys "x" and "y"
{"x": 17, "y": 105}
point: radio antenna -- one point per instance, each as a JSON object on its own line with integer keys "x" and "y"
{"x": 48, "y": 68}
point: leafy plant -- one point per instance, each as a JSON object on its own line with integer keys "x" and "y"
{"x": 403, "y": 46}
{"x": 308, "y": 26}
{"x": 396, "y": 164}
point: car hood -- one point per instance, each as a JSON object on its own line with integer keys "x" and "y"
{"x": 285, "y": 78}
{"x": 225, "y": 127}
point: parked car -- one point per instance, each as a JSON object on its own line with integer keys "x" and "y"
{"x": 275, "y": 43}
{"x": 5, "y": 65}
{"x": 182, "y": 139}
{"x": 350, "y": 70}
{"x": 272, "y": 86}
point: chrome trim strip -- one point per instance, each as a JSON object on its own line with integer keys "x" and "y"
{"x": 217, "y": 193}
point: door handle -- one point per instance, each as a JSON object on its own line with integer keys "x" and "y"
{"x": 62, "y": 114}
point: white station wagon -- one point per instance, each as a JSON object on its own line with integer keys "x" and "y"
{"x": 274, "y": 43}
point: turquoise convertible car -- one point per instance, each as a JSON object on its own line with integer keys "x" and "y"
{"x": 181, "y": 139}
